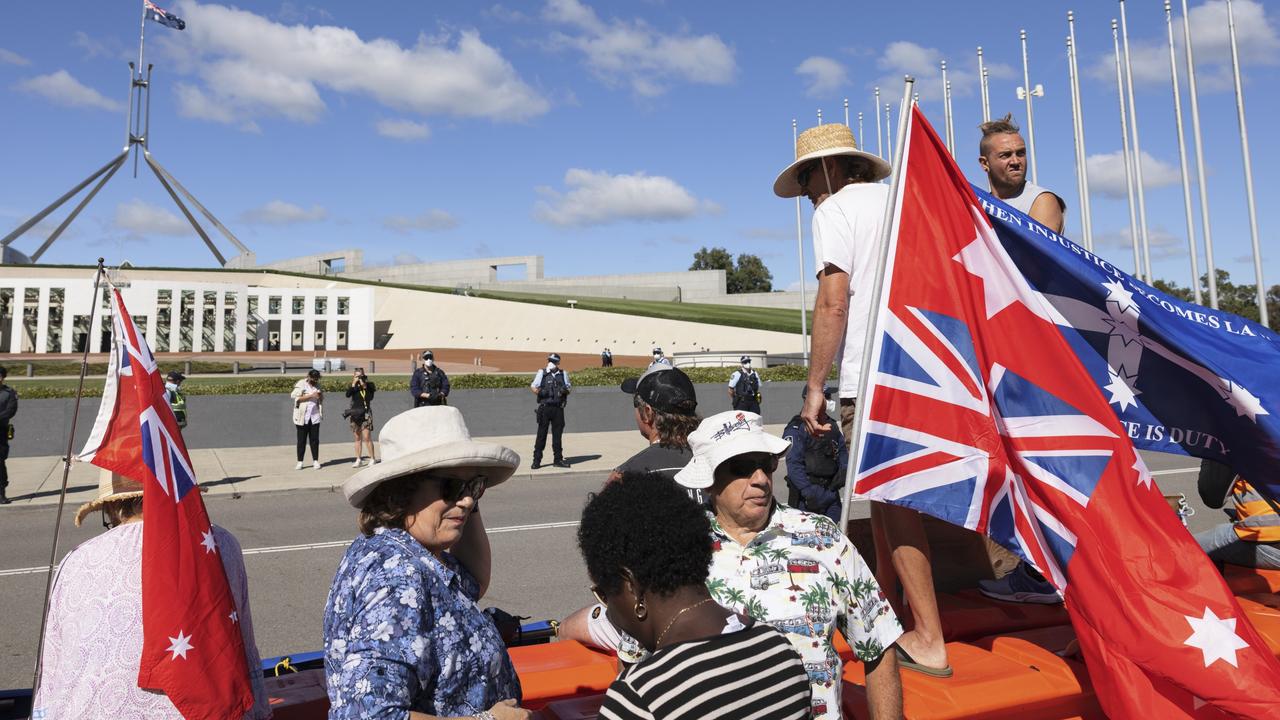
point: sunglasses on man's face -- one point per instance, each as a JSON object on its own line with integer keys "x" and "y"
{"x": 454, "y": 489}
{"x": 746, "y": 465}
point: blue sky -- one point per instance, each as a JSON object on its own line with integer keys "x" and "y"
{"x": 608, "y": 137}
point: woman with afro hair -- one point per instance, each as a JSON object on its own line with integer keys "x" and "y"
{"x": 647, "y": 548}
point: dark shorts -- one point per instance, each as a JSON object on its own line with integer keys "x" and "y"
{"x": 358, "y": 424}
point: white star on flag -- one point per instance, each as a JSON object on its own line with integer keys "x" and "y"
{"x": 180, "y": 646}
{"x": 1001, "y": 286}
{"x": 1144, "y": 475}
{"x": 1215, "y": 637}
{"x": 207, "y": 542}
{"x": 1117, "y": 294}
{"x": 1124, "y": 328}
{"x": 1244, "y": 402}
{"x": 1121, "y": 389}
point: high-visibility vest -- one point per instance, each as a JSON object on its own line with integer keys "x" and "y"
{"x": 1256, "y": 519}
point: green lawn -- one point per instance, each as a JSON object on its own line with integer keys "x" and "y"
{"x": 778, "y": 319}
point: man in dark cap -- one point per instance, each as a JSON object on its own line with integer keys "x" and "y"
{"x": 551, "y": 386}
{"x": 666, "y": 410}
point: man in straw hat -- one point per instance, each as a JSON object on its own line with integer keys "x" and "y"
{"x": 849, "y": 205}
{"x": 93, "y": 637}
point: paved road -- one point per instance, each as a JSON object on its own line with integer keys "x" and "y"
{"x": 294, "y": 539}
{"x": 230, "y": 421}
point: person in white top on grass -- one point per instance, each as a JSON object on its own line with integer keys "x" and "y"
{"x": 849, "y": 206}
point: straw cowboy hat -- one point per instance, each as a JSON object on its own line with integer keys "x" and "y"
{"x": 429, "y": 438}
{"x": 824, "y": 141}
{"x": 111, "y": 486}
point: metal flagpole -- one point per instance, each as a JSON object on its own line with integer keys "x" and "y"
{"x": 819, "y": 116}
{"x": 946, "y": 109}
{"x": 1086, "y": 204}
{"x": 1128, "y": 167}
{"x": 1075, "y": 137}
{"x": 1024, "y": 93}
{"x": 861, "y": 138}
{"x": 982, "y": 82}
{"x": 1137, "y": 150}
{"x": 804, "y": 309}
{"x": 66, "y": 473}
{"x": 882, "y": 262}
{"x": 1248, "y": 168}
{"x": 1182, "y": 159}
{"x": 1210, "y": 270}
{"x": 876, "y": 111}
{"x": 846, "y": 112}
{"x": 888, "y": 124}
{"x": 951, "y": 123}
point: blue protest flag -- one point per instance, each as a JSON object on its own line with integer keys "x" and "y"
{"x": 1182, "y": 378}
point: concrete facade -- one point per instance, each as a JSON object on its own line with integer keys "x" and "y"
{"x": 376, "y": 314}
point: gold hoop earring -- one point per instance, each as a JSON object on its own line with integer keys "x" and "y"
{"x": 640, "y": 610}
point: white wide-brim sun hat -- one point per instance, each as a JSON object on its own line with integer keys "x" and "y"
{"x": 721, "y": 437}
{"x": 429, "y": 438}
{"x": 825, "y": 141}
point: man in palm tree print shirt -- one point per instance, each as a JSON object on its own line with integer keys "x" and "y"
{"x": 803, "y": 577}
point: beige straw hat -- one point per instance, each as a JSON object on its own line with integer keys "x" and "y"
{"x": 824, "y": 141}
{"x": 429, "y": 438}
{"x": 111, "y": 486}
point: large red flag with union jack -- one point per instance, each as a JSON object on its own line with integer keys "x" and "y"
{"x": 977, "y": 412}
{"x": 192, "y": 649}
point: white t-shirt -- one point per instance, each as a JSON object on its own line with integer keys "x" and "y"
{"x": 846, "y": 229}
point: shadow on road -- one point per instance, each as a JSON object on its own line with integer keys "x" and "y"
{"x": 53, "y": 492}
{"x": 575, "y": 459}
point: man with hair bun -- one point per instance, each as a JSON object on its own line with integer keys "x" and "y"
{"x": 1003, "y": 157}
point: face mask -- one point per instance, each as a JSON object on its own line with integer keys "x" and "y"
{"x": 833, "y": 408}
{"x": 430, "y": 362}
{"x": 551, "y": 366}
{"x": 746, "y": 367}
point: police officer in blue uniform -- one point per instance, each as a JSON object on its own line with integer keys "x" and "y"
{"x": 551, "y": 386}
{"x": 429, "y": 384}
{"x": 744, "y": 387}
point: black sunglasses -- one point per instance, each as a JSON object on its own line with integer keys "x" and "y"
{"x": 454, "y": 489}
{"x": 746, "y": 465}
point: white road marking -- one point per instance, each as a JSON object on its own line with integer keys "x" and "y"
{"x": 322, "y": 545}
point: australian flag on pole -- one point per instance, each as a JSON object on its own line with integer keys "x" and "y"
{"x": 1182, "y": 378}
{"x": 192, "y": 648}
{"x": 162, "y": 16}
{"x": 977, "y": 411}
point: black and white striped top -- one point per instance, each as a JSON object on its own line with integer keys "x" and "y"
{"x": 752, "y": 673}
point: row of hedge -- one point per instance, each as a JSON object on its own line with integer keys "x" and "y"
{"x": 48, "y": 368}
{"x": 592, "y": 377}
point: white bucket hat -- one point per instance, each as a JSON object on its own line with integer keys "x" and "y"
{"x": 824, "y": 141}
{"x": 429, "y": 438}
{"x": 721, "y": 437}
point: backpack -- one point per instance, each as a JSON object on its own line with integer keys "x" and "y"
{"x": 822, "y": 459}
{"x": 552, "y": 389}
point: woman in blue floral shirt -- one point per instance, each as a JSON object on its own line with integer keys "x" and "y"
{"x": 402, "y": 632}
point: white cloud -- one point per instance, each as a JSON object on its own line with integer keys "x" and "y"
{"x": 10, "y": 57}
{"x": 822, "y": 75}
{"x": 407, "y": 130}
{"x": 768, "y": 233}
{"x": 433, "y": 220}
{"x": 1106, "y": 174}
{"x": 901, "y": 58}
{"x": 633, "y": 53}
{"x": 1257, "y": 40}
{"x": 62, "y": 89}
{"x": 139, "y": 218}
{"x": 279, "y": 212}
{"x": 503, "y": 13}
{"x": 249, "y": 66}
{"x": 1164, "y": 244}
{"x": 598, "y": 198}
